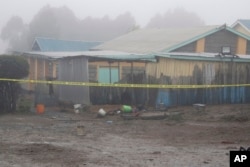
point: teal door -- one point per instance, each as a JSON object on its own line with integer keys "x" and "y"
{"x": 107, "y": 74}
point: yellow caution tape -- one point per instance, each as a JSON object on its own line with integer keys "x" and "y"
{"x": 121, "y": 85}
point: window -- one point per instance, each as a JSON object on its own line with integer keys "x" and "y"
{"x": 108, "y": 75}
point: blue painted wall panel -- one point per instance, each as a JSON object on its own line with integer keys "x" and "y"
{"x": 226, "y": 95}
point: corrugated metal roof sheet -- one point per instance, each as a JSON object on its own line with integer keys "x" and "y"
{"x": 123, "y": 56}
{"x": 204, "y": 56}
{"x": 195, "y": 38}
{"x": 55, "y": 45}
{"x": 153, "y": 40}
{"x": 245, "y": 22}
{"x": 108, "y": 55}
{"x": 167, "y": 40}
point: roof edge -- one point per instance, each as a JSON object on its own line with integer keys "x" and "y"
{"x": 194, "y": 38}
{"x": 202, "y": 57}
{"x": 240, "y": 23}
{"x": 217, "y": 29}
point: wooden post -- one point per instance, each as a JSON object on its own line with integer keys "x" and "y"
{"x": 110, "y": 81}
{"x": 132, "y": 80}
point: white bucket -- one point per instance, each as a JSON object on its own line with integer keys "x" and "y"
{"x": 101, "y": 112}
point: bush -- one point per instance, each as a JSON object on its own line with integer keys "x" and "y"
{"x": 15, "y": 67}
{"x": 11, "y": 67}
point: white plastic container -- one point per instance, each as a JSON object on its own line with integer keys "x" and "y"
{"x": 101, "y": 112}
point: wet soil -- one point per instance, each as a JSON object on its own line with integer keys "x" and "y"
{"x": 187, "y": 137}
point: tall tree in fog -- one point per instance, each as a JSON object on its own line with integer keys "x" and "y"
{"x": 45, "y": 24}
{"x": 176, "y": 19}
{"x": 15, "y": 32}
{"x": 54, "y": 23}
{"x": 105, "y": 28}
{"x": 61, "y": 23}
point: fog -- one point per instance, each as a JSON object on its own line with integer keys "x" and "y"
{"x": 142, "y": 11}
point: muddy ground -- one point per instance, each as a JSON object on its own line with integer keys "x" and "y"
{"x": 185, "y": 138}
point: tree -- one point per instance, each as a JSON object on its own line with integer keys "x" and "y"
{"x": 61, "y": 23}
{"x": 14, "y": 32}
{"x": 12, "y": 67}
{"x": 177, "y": 18}
{"x": 44, "y": 24}
{"x": 104, "y": 28}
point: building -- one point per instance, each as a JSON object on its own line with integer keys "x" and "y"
{"x": 210, "y": 55}
{"x": 222, "y": 42}
{"x": 242, "y": 25}
{"x": 42, "y": 68}
{"x": 151, "y": 41}
{"x": 218, "y": 57}
{"x": 46, "y": 68}
{"x": 74, "y": 67}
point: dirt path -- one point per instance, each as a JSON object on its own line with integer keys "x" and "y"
{"x": 186, "y": 138}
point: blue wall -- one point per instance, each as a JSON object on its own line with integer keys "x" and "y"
{"x": 226, "y": 95}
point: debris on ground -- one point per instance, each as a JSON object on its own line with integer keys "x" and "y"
{"x": 185, "y": 138}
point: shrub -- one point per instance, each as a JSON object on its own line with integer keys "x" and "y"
{"x": 11, "y": 67}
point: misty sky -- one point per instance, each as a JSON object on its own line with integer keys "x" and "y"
{"x": 213, "y": 12}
